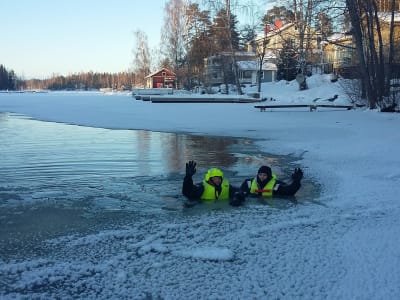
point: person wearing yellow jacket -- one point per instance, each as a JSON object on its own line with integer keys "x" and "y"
{"x": 214, "y": 187}
{"x": 266, "y": 184}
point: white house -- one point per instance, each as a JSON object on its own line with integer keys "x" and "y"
{"x": 248, "y": 71}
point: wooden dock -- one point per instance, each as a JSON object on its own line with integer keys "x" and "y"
{"x": 202, "y": 99}
{"x": 312, "y": 107}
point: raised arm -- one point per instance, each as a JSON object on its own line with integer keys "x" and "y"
{"x": 190, "y": 190}
{"x": 285, "y": 189}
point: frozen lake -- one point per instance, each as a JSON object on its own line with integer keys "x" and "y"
{"x": 60, "y": 179}
{"x": 128, "y": 236}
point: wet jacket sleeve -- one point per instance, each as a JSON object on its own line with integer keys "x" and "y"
{"x": 283, "y": 189}
{"x": 190, "y": 190}
{"x": 232, "y": 191}
{"x": 245, "y": 187}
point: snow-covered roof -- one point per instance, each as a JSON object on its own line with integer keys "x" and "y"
{"x": 339, "y": 36}
{"x": 254, "y": 65}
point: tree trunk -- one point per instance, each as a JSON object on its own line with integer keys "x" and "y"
{"x": 391, "y": 50}
{"x": 356, "y": 22}
{"x": 233, "y": 58}
{"x": 261, "y": 56}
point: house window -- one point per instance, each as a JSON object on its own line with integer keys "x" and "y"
{"x": 246, "y": 74}
{"x": 163, "y": 74}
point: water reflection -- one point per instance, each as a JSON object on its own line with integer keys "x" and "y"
{"x": 40, "y": 150}
{"x": 57, "y": 178}
{"x": 105, "y": 169}
{"x": 173, "y": 150}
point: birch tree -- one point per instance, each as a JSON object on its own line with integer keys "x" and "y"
{"x": 141, "y": 57}
{"x": 173, "y": 33}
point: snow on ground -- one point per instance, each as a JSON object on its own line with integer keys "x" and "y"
{"x": 343, "y": 245}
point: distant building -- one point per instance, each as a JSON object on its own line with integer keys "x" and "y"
{"x": 339, "y": 52}
{"x": 163, "y": 78}
{"x": 218, "y": 69}
{"x": 248, "y": 71}
{"x": 283, "y": 37}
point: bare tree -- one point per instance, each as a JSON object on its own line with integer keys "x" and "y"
{"x": 260, "y": 51}
{"x": 375, "y": 63}
{"x": 141, "y": 57}
{"x": 173, "y": 33}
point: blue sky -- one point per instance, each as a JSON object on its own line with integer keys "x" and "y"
{"x": 41, "y": 38}
{"x": 44, "y": 37}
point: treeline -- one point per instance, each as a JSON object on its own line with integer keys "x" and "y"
{"x": 81, "y": 81}
{"x": 84, "y": 81}
{"x": 8, "y": 80}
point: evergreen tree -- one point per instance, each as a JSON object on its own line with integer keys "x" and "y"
{"x": 3, "y": 78}
{"x": 248, "y": 34}
{"x": 198, "y": 43}
{"x": 224, "y": 34}
{"x": 8, "y": 79}
{"x": 279, "y": 13}
{"x": 288, "y": 64}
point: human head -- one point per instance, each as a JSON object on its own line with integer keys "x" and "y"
{"x": 264, "y": 173}
{"x": 214, "y": 176}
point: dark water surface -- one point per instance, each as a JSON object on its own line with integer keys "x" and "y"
{"x": 59, "y": 179}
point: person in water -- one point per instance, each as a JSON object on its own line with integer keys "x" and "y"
{"x": 214, "y": 187}
{"x": 266, "y": 184}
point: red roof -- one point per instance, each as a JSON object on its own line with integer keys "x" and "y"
{"x": 159, "y": 73}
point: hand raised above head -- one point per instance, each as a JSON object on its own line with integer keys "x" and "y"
{"x": 297, "y": 174}
{"x": 190, "y": 168}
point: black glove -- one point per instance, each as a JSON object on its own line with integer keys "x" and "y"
{"x": 237, "y": 200}
{"x": 190, "y": 168}
{"x": 297, "y": 174}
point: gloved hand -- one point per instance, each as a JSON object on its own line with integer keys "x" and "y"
{"x": 238, "y": 199}
{"x": 190, "y": 168}
{"x": 297, "y": 174}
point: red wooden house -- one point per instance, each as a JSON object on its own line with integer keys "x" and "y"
{"x": 163, "y": 78}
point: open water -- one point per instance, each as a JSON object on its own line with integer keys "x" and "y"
{"x": 58, "y": 179}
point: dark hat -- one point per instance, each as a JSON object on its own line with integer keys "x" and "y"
{"x": 266, "y": 170}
